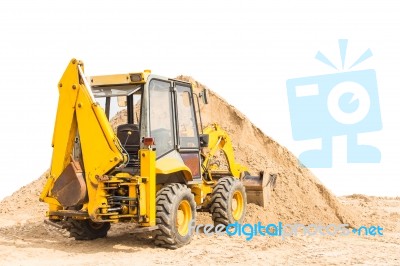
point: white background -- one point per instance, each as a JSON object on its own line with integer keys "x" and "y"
{"x": 243, "y": 50}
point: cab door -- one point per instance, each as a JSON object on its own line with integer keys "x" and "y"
{"x": 186, "y": 127}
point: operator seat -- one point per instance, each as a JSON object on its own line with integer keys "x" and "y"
{"x": 129, "y": 136}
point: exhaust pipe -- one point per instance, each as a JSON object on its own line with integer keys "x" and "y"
{"x": 259, "y": 188}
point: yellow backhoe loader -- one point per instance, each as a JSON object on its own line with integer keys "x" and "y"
{"x": 155, "y": 170}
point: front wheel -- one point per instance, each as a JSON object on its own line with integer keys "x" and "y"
{"x": 176, "y": 211}
{"x": 228, "y": 201}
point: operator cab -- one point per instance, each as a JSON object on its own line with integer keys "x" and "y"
{"x": 152, "y": 107}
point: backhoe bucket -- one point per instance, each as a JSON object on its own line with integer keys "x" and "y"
{"x": 70, "y": 188}
{"x": 258, "y": 188}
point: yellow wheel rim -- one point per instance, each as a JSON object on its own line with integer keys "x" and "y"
{"x": 183, "y": 217}
{"x": 237, "y": 205}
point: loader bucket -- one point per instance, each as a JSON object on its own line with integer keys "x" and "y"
{"x": 259, "y": 188}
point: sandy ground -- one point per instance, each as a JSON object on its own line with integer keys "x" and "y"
{"x": 299, "y": 197}
{"x": 33, "y": 242}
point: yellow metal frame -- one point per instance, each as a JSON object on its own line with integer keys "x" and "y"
{"x": 148, "y": 172}
{"x": 119, "y": 79}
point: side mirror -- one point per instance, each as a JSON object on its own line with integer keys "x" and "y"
{"x": 203, "y": 96}
{"x": 204, "y": 138}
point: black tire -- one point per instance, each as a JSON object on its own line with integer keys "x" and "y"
{"x": 88, "y": 230}
{"x": 173, "y": 201}
{"x": 225, "y": 195}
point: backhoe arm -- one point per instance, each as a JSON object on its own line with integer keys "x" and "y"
{"x": 78, "y": 115}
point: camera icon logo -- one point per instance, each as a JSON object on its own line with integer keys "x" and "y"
{"x": 345, "y": 103}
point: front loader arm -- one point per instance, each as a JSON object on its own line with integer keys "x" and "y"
{"x": 79, "y": 114}
{"x": 258, "y": 188}
{"x": 220, "y": 140}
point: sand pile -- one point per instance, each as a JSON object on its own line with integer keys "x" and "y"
{"x": 23, "y": 206}
{"x": 298, "y": 197}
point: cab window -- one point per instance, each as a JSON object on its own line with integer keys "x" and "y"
{"x": 188, "y": 137}
{"x": 161, "y": 123}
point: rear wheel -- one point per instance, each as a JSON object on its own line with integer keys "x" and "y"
{"x": 228, "y": 201}
{"x": 176, "y": 209}
{"x": 88, "y": 230}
